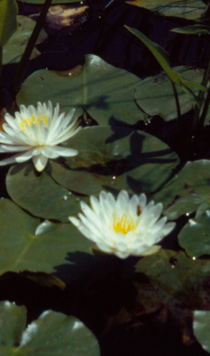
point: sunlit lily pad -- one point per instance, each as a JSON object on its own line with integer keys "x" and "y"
{"x": 51, "y": 334}
{"x": 103, "y": 90}
{"x": 15, "y": 47}
{"x": 115, "y": 159}
{"x": 39, "y": 194}
{"x": 201, "y": 328}
{"x": 29, "y": 244}
{"x": 155, "y": 95}
{"x": 195, "y": 237}
{"x": 187, "y": 191}
{"x": 188, "y": 9}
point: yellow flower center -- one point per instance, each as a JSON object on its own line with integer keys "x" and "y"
{"x": 28, "y": 121}
{"x": 123, "y": 224}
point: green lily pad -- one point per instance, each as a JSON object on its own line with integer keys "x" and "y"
{"x": 201, "y": 328}
{"x": 114, "y": 159}
{"x": 8, "y": 20}
{"x": 15, "y": 47}
{"x": 39, "y": 194}
{"x": 188, "y": 9}
{"x": 155, "y": 95}
{"x": 53, "y": 1}
{"x": 103, "y": 90}
{"x": 187, "y": 191}
{"x": 174, "y": 274}
{"x": 51, "y": 334}
{"x": 194, "y": 237}
{"x": 29, "y": 244}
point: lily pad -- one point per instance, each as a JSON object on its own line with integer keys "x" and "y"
{"x": 39, "y": 194}
{"x": 188, "y": 9}
{"x": 187, "y": 191}
{"x": 201, "y": 328}
{"x": 155, "y": 94}
{"x": 175, "y": 274}
{"x": 114, "y": 159}
{"x": 15, "y": 47}
{"x": 8, "y": 20}
{"x": 194, "y": 237}
{"x": 103, "y": 90}
{"x": 53, "y": 1}
{"x": 29, "y": 244}
{"x": 51, "y": 334}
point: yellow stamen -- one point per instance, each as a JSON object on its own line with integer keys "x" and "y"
{"x": 29, "y": 120}
{"x": 123, "y": 224}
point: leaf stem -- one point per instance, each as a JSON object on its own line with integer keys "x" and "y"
{"x": 16, "y": 85}
{"x": 177, "y": 102}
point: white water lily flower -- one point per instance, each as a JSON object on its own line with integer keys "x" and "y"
{"x": 36, "y": 133}
{"x": 125, "y": 226}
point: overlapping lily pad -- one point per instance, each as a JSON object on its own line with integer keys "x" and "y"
{"x": 114, "y": 159}
{"x": 51, "y": 334}
{"x": 201, "y": 328}
{"x": 188, "y": 9}
{"x": 195, "y": 237}
{"x": 15, "y": 47}
{"x": 103, "y": 90}
{"x": 29, "y": 244}
{"x": 155, "y": 95}
{"x": 39, "y": 194}
{"x": 187, "y": 191}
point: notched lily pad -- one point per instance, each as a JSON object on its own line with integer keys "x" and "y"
{"x": 39, "y": 194}
{"x": 51, "y": 334}
{"x": 103, "y": 90}
{"x": 115, "y": 159}
{"x": 29, "y": 244}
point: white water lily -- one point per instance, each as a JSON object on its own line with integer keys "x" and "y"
{"x": 36, "y": 133}
{"x": 125, "y": 226}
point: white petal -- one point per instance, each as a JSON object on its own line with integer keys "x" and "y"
{"x": 24, "y": 156}
{"x": 40, "y": 162}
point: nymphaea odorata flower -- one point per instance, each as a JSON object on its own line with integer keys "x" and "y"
{"x": 36, "y": 133}
{"x": 125, "y": 226}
